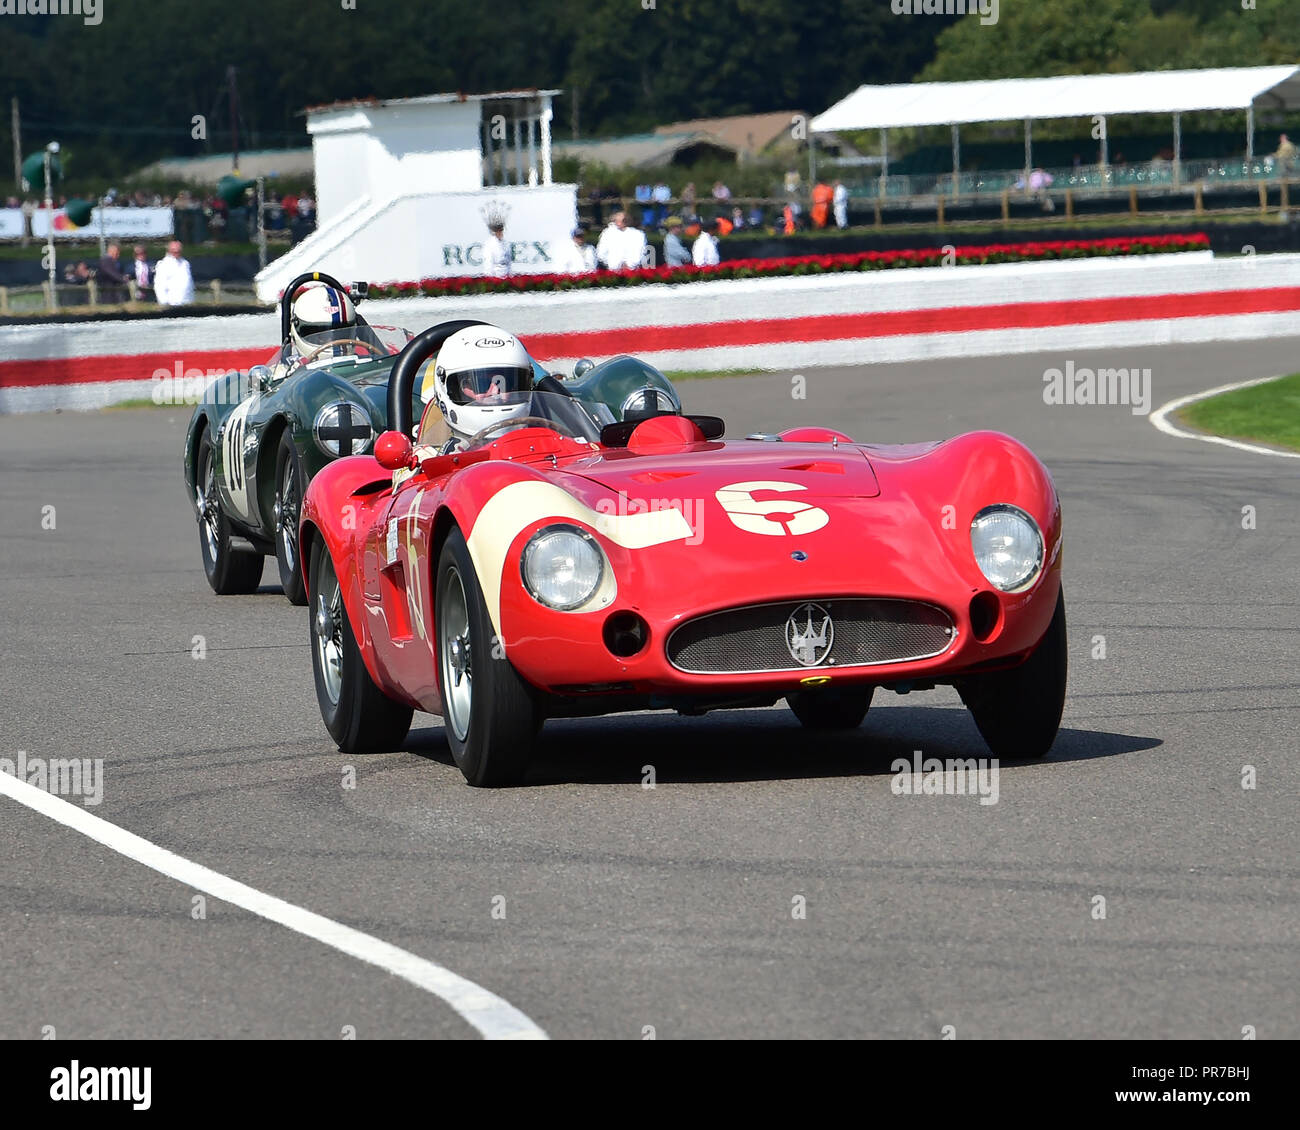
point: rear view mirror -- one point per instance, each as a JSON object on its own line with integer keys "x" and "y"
{"x": 394, "y": 451}
{"x": 259, "y": 377}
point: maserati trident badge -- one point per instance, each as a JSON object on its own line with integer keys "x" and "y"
{"x": 809, "y": 634}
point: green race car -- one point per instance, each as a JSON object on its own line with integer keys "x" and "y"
{"x": 257, "y": 438}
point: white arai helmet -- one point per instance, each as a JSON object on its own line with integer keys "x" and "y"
{"x": 482, "y": 376}
{"x": 321, "y": 310}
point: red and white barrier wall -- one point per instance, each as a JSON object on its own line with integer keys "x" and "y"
{"x": 775, "y": 323}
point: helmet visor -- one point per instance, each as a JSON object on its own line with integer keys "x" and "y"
{"x": 474, "y": 386}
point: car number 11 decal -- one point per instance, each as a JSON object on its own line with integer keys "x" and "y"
{"x": 775, "y": 516}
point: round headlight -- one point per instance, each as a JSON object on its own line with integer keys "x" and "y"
{"x": 643, "y": 398}
{"x": 562, "y": 567}
{"x": 342, "y": 428}
{"x": 1008, "y": 547}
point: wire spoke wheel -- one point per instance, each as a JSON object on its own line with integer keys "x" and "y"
{"x": 328, "y": 622}
{"x": 455, "y": 653}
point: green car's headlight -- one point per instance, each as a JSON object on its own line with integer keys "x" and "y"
{"x": 562, "y": 567}
{"x": 1008, "y": 547}
{"x": 343, "y": 428}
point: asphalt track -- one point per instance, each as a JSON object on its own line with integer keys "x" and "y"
{"x": 672, "y": 908}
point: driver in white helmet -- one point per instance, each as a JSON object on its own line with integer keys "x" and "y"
{"x": 481, "y": 376}
{"x": 321, "y": 313}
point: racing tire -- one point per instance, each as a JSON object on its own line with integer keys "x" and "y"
{"x": 840, "y": 708}
{"x": 230, "y": 571}
{"x": 490, "y": 715}
{"x": 1018, "y": 712}
{"x": 288, "y": 507}
{"x": 359, "y": 716}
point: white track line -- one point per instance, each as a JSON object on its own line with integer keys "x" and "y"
{"x": 487, "y": 1013}
{"x": 1160, "y": 419}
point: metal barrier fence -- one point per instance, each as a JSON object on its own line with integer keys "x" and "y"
{"x": 44, "y": 299}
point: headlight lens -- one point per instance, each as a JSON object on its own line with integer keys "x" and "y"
{"x": 1008, "y": 546}
{"x": 562, "y": 567}
{"x": 343, "y": 428}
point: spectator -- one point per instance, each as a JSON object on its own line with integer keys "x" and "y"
{"x": 737, "y": 217}
{"x": 822, "y": 195}
{"x": 110, "y": 276}
{"x": 793, "y": 182}
{"x": 642, "y": 194}
{"x": 841, "y": 201}
{"x": 721, "y": 191}
{"x": 173, "y": 279}
{"x": 705, "y": 251}
{"x": 621, "y": 248}
{"x": 306, "y": 207}
{"x": 1286, "y": 152}
{"x": 290, "y": 205}
{"x": 496, "y": 255}
{"x": 661, "y": 194}
{"x": 1040, "y": 180}
{"x": 579, "y": 257}
{"x": 77, "y": 275}
{"x": 723, "y": 226}
{"x": 597, "y": 211}
{"x": 675, "y": 253}
{"x": 688, "y": 200}
{"x": 141, "y": 272}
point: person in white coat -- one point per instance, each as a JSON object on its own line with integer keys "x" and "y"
{"x": 704, "y": 253}
{"x": 496, "y": 252}
{"x": 579, "y": 258}
{"x": 173, "y": 281}
{"x": 841, "y": 204}
{"x": 621, "y": 247}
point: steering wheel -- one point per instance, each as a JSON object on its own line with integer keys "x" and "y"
{"x": 517, "y": 422}
{"x": 368, "y": 346}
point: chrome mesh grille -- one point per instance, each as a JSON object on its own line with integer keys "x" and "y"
{"x": 756, "y": 638}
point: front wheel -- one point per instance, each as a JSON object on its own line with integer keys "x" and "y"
{"x": 489, "y": 713}
{"x": 358, "y": 715}
{"x": 288, "y": 505}
{"x": 230, "y": 571}
{"x": 1018, "y": 712}
{"x": 838, "y": 708}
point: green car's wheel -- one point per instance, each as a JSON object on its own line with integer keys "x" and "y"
{"x": 230, "y": 571}
{"x": 489, "y": 714}
{"x": 288, "y": 505}
{"x": 1018, "y": 712}
{"x": 840, "y": 708}
{"x": 358, "y": 715}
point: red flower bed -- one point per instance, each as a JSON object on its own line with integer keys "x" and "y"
{"x": 804, "y": 265}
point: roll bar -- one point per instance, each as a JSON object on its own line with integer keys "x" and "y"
{"x": 401, "y": 383}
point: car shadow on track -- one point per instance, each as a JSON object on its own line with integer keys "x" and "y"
{"x": 747, "y": 745}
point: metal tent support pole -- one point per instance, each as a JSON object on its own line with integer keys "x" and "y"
{"x": 956, "y": 158}
{"x": 1178, "y": 149}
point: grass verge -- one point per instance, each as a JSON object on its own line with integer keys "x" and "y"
{"x": 1267, "y": 413}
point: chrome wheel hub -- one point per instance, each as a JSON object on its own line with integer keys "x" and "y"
{"x": 455, "y": 655}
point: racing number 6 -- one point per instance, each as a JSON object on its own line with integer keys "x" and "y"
{"x": 776, "y": 516}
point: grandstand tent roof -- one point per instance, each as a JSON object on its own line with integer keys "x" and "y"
{"x": 1064, "y": 96}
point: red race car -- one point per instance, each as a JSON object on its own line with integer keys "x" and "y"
{"x": 554, "y": 565}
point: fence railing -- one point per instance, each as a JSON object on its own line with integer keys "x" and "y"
{"x": 84, "y": 297}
